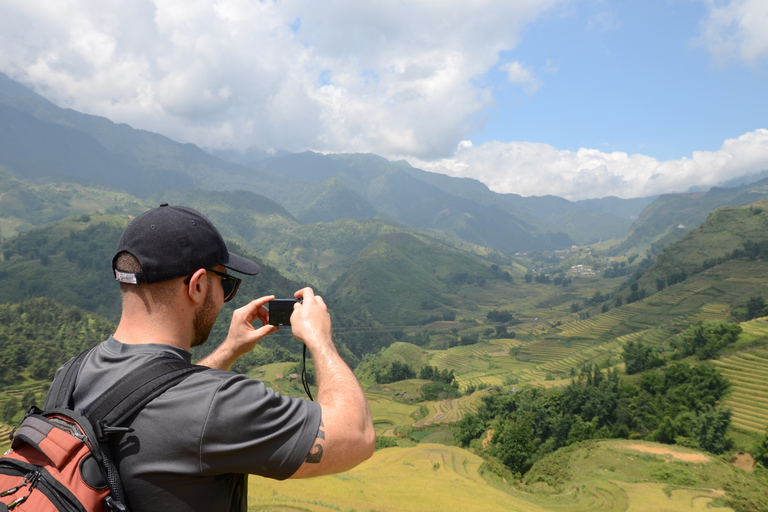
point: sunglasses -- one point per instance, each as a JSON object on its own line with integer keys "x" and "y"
{"x": 229, "y": 283}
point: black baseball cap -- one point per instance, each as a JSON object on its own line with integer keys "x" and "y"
{"x": 175, "y": 241}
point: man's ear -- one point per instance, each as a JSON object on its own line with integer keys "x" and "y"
{"x": 198, "y": 286}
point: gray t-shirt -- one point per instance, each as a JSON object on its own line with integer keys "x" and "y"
{"x": 193, "y": 446}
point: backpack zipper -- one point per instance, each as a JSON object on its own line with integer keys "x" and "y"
{"x": 34, "y": 478}
{"x": 30, "y": 479}
{"x": 58, "y": 498}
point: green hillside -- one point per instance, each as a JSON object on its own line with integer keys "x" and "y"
{"x": 401, "y": 279}
{"x": 672, "y": 216}
{"x": 728, "y": 233}
{"x": 552, "y": 346}
{"x": 68, "y": 261}
{"x": 337, "y": 201}
{"x": 25, "y": 204}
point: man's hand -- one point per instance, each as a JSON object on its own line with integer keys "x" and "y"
{"x": 242, "y": 336}
{"x": 310, "y": 320}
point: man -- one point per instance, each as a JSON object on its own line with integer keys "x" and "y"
{"x": 193, "y": 446}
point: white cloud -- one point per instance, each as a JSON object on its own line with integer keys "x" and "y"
{"x": 604, "y": 21}
{"x": 517, "y": 74}
{"x": 528, "y": 168}
{"x": 390, "y": 77}
{"x": 736, "y": 30}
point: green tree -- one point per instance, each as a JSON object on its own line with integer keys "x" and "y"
{"x": 8, "y": 410}
{"x": 397, "y": 371}
{"x": 470, "y": 427}
{"x": 755, "y": 307}
{"x": 582, "y": 430}
{"x": 705, "y": 340}
{"x": 669, "y": 429}
{"x": 760, "y": 451}
{"x": 28, "y": 398}
{"x": 710, "y": 427}
{"x": 514, "y": 443}
{"x": 639, "y": 357}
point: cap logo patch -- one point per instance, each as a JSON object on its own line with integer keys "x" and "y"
{"x": 126, "y": 277}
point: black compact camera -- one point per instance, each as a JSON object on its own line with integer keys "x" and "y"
{"x": 280, "y": 311}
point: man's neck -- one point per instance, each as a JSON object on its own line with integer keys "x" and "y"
{"x": 140, "y": 329}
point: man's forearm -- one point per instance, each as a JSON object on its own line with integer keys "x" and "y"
{"x": 222, "y": 358}
{"x": 337, "y": 386}
{"x": 336, "y": 381}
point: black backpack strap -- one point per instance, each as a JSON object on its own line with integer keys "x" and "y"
{"x": 63, "y": 385}
{"x": 127, "y": 397}
{"x": 138, "y": 388}
{"x": 131, "y": 393}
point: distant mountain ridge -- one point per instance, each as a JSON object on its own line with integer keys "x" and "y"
{"x": 39, "y": 139}
{"x": 670, "y": 217}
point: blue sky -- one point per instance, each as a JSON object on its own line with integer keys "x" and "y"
{"x": 629, "y": 76}
{"x": 576, "y": 98}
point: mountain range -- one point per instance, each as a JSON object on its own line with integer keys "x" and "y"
{"x": 40, "y": 140}
{"x": 421, "y": 269}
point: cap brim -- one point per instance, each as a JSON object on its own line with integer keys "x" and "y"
{"x": 242, "y": 265}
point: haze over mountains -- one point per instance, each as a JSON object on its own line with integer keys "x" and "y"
{"x": 40, "y": 140}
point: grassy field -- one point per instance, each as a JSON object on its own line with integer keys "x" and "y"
{"x": 607, "y": 476}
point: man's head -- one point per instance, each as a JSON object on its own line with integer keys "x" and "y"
{"x": 174, "y": 241}
{"x": 160, "y": 261}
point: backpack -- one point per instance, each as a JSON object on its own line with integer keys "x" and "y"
{"x": 60, "y": 458}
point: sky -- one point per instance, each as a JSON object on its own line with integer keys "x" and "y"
{"x": 575, "y": 98}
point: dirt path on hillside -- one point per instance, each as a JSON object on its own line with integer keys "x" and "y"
{"x": 661, "y": 450}
{"x": 744, "y": 461}
{"x": 487, "y": 439}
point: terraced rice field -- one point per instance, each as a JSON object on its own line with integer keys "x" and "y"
{"x": 389, "y": 414}
{"x": 674, "y": 295}
{"x": 5, "y": 430}
{"x": 757, "y": 328}
{"x": 598, "y": 326}
{"x": 584, "y": 354}
{"x": 482, "y": 379}
{"x": 428, "y": 477}
{"x": 593, "y": 328}
{"x": 459, "y": 357}
{"x": 431, "y": 477}
{"x": 712, "y": 311}
{"x": 451, "y": 411}
{"x": 748, "y": 373}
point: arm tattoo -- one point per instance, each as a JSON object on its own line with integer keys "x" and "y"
{"x": 313, "y": 457}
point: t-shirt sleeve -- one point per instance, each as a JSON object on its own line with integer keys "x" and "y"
{"x": 252, "y": 429}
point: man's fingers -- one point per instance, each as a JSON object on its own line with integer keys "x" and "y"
{"x": 264, "y": 330}
{"x": 254, "y": 309}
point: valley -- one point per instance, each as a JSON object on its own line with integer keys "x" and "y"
{"x": 518, "y": 353}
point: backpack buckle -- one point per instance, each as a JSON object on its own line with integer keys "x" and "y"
{"x": 30, "y": 412}
{"x": 114, "y": 506}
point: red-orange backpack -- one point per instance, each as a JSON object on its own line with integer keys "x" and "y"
{"x": 60, "y": 458}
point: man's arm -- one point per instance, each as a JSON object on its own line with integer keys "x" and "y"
{"x": 346, "y": 436}
{"x": 242, "y": 336}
